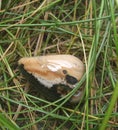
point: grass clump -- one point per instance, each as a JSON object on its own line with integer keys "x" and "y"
{"x": 86, "y": 29}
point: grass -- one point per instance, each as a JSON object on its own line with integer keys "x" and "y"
{"x": 86, "y": 29}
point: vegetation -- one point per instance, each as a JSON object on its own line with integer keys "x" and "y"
{"x": 86, "y": 29}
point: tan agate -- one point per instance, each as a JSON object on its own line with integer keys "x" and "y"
{"x": 53, "y": 69}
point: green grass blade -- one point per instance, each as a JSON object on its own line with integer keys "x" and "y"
{"x": 6, "y": 122}
{"x": 110, "y": 108}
